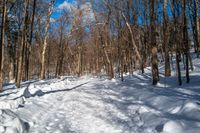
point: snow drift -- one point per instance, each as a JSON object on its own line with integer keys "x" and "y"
{"x": 11, "y": 123}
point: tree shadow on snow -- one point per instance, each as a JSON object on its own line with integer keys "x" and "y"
{"x": 121, "y": 97}
{"x": 40, "y": 93}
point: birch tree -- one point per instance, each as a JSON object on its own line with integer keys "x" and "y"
{"x": 43, "y": 61}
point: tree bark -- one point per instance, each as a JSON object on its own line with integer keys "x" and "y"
{"x": 11, "y": 52}
{"x": 42, "y": 73}
{"x": 185, "y": 40}
{"x": 2, "y": 43}
{"x": 60, "y": 54}
{"x": 22, "y": 48}
{"x": 27, "y": 55}
{"x": 176, "y": 40}
{"x": 165, "y": 41}
{"x": 196, "y": 3}
{"x": 154, "y": 51}
{"x": 138, "y": 56}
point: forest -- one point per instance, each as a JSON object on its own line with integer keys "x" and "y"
{"x": 41, "y": 40}
{"x": 99, "y": 66}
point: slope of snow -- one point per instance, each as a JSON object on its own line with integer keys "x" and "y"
{"x": 98, "y": 105}
{"x": 172, "y": 127}
{"x": 11, "y": 123}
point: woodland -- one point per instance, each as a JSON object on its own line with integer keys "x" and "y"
{"x": 40, "y": 40}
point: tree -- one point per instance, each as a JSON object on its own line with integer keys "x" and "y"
{"x": 165, "y": 40}
{"x": 185, "y": 40}
{"x": 154, "y": 51}
{"x": 176, "y": 34}
{"x": 61, "y": 31}
{"x": 27, "y": 54}
{"x": 2, "y": 45}
{"x": 23, "y": 45}
{"x": 50, "y": 10}
{"x": 109, "y": 36}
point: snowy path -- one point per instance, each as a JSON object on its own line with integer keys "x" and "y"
{"x": 47, "y": 113}
{"x": 112, "y": 107}
{"x": 102, "y": 106}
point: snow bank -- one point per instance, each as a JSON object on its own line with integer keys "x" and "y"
{"x": 11, "y": 104}
{"x": 173, "y": 127}
{"x": 189, "y": 109}
{"x": 190, "y": 106}
{"x": 11, "y": 123}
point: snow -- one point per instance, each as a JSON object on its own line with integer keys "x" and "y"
{"x": 11, "y": 123}
{"x": 173, "y": 127}
{"x": 98, "y": 105}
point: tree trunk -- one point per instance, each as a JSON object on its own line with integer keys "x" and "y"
{"x": 185, "y": 40}
{"x": 178, "y": 71}
{"x": 176, "y": 40}
{"x": 2, "y": 43}
{"x": 196, "y": 3}
{"x": 60, "y": 55}
{"x": 27, "y": 55}
{"x": 154, "y": 51}
{"x": 165, "y": 41}
{"x": 22, "y": 48}
{"x": 42, "y": 73}
{"x": 136, "y": 51}
{"x": 11, "y": 51}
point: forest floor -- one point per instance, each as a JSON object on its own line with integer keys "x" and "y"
{"x": 99, "y": 105}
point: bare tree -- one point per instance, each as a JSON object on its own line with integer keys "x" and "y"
{"x": 185, "y": 40}
{"x": 27, "y": 52}
{"x": 50, "y": 10}
{"x": 2, "y": 45}
{"x": 154, "y": 51}
{"x": 165, "y": 40}
{"x": 23, "y": 45}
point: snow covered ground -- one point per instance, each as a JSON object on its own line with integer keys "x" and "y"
{"x": 98, "y": 105}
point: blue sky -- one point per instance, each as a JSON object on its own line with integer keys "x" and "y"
{"x": 59, "y": 2}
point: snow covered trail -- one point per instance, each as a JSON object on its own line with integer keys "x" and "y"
{"x": 98, "y": 105}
